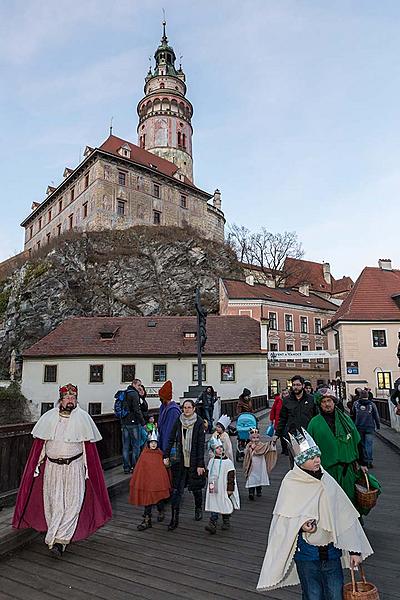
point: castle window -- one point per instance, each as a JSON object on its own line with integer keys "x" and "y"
{"x": 121, "y": 178}
{"x": 59, "y": 229}
{"x": 38, "y": 244}
{"x": 179, "y": 138}
{"x": 40, "y": 223}
{"x": 85, "y": 210}
{"x": 60, "y": 205}
{"x": 156, "y": 190}
{"x": 30, "y": 232}
{"x": 183, "y": 201}
{"x": 49, "y": 215}
{"x": 156, "y": 217}
{"x": 71, "y": 221}
{"x": 86, "y": 180}
{"x": 48, "y": 237}
{"x": 184, "y": 140}
{"x": 72, "y": 194}
{"x": 162, "y": 85}
{"x": 120, "y": 208}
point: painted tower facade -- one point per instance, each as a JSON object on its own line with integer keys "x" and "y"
{"x": 165, "y": 113}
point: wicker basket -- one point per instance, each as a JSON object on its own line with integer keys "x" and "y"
{"x": 365, "y": 497}
{"x": 360, "y": 590}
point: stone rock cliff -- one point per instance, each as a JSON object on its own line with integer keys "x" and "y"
{"x": 140, "y": 271}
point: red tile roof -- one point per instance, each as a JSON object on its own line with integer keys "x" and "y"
{"x": 313, "y": 273}
{"x": 80, "y": 336}
{"x": 241, "y": 290}
{"x": 142, "y": 157}
{"x": 371, "y": 297}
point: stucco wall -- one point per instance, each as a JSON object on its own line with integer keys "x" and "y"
{"x": 250, "y": 372}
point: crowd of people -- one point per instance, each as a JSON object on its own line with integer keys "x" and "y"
{"x": 316, "y": 524}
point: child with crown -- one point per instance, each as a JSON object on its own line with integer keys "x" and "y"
{"x": 259, "y": 460}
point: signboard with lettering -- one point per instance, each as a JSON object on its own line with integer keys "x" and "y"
{"x": 352, "y": 368}
{"x": 302, "y": 354}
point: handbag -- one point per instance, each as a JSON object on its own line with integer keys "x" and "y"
{"x": 270, "y": 430}
{"x": 360, "y": 590}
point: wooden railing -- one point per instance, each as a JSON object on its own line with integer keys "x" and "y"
{"x": 383, "y": 410}
{"x": 16, "y": 442}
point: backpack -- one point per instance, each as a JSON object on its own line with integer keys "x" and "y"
{"x": 121, "y": 408}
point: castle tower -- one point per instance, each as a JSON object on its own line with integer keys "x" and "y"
{"x": 165, "y": 113}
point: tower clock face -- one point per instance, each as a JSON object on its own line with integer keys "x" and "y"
{"x": 161, "y": 132}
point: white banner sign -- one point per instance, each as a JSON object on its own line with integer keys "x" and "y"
{"x": 302, "y": 354}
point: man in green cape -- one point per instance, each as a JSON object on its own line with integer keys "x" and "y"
{"x": 339, "y": 441}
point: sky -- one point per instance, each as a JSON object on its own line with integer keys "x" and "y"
{"x": 296, "y": 109}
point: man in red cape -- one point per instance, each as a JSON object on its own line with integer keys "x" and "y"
{"x": 62, "y": 490}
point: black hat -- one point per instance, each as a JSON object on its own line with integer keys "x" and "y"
{"x": 246, "y": 392}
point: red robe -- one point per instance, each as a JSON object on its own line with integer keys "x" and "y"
{"x": 96, "y": 507}
{"x": 150, "y": 481}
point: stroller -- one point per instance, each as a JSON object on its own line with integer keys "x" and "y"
{"x": 244, "y": 423}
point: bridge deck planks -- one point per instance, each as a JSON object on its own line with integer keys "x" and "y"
{"x": 120, "y": 562}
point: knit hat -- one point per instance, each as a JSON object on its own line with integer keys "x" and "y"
{"x": 324, "y": 393}
{"x": 165, "y": 392}
{"x": 246, "y": 392}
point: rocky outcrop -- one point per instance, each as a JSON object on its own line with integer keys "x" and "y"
{"x": 141, "y": 271}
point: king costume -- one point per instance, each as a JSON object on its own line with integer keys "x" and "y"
{"x": 62, "y": 491}
{"x": 316, "y": 500}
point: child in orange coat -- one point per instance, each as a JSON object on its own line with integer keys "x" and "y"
{"x": 150, "y": 483}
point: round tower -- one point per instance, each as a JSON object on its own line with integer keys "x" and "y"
{"x": 165, "y": 113}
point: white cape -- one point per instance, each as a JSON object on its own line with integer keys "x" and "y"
{"x": 81, "y": 427}
{"x": 220, "y": 502}
{"x": 302, "y": 497}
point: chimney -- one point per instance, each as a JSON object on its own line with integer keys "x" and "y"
{"x": 250, "y": 279}
{"x": 304, "y": 289}
{"x": 326, "y": 269}
{"x": 385, "y": 264}
{"x": 217, "y": 199}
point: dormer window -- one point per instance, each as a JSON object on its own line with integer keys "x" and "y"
{"x": 125, "y": 151}
{"x": 108, "y": 334}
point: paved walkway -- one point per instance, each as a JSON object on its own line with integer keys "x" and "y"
{"x": 121, "y": 563}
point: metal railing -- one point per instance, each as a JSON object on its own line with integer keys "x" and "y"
{"x": 383, "y": 410}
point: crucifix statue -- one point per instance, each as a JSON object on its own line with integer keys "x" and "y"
{"x": 201, "y": 335}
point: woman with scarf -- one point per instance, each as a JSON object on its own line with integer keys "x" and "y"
{"x": 245, "y": 404}
{"x": 339, "y": 441}
{"x": 185, "y": 455}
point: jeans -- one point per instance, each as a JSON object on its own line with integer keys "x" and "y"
{"x": 321, "y": 579}
{"x": 214, "y": 517}
{"x": 367, "y": 441}
{"x": 130, "y": 445}
{"x": 208, "y": 414}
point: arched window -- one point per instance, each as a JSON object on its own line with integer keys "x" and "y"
{"x": 179, "y": 138}
{"x": 184, "y": 140}
{"x": 162, "y": 85}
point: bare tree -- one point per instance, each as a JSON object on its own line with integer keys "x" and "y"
{"x": 270, "y": 253}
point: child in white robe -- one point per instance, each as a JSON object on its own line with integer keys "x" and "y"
{"x": 259, "y": 460}
{"x": 222, "y": 495}
{"x": 222, "y": 434}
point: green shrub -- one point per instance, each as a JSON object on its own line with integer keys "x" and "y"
{"x": 33, "y": 271}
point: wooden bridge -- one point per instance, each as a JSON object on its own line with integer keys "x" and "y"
{"x": 120, "y": 563}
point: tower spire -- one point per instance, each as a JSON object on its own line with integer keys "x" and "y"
{"x": 164, "y": 39}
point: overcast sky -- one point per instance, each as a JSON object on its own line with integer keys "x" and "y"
{"x": 296, "y": 109}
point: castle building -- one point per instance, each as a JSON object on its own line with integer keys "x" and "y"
{"x": 121, "y": 184}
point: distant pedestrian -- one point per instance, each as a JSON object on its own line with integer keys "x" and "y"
{"x": 367, "y": 421}
{"x": 131, "y": 426}
{"x": 207, "y": 399}
{"x": 245, "y": 404}
{"x": 296, "y": 412}
{"x": 275, "y": 414}
{"x": 169, "y": 413}
{"x": 308, "y": 387}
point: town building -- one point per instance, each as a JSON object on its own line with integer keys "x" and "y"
{"x": 365, "y": 332}
{"x": 120, "y": 184}
{"x": 294, "y": 321}
{"x": 103, "y": 354}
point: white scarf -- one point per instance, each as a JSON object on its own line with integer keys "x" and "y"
{"x": 81, "y": 427}
{"x": 187, "y": 426}
{"x": 301, "y": 498}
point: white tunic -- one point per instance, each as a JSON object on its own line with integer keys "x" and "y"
{"x": 220, "y": 502}
{"x": 63, "y": 486}
{"x": 226, "y": 442}
{"x": 258, "y": 473}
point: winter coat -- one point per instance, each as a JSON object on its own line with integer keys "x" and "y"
{"x": 276, "y": 411}
{"x": 366, "y": 416}
{"x": 135, "y": 416}
{"x": 195, "y": 481}
{"x": 296, "y": 413}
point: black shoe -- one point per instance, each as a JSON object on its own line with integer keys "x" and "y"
{"x": 145, "y": 524}
{"x": 225, "y": 523}
{"x": 173, "y": 524}
{"x": 198, "y": 514}
{"x": 251, "y": 496}
{"x": 127, "y": 471}
{"x": 57, "y": 550}
{"x": 211, "y": 527}
{"x": 259, "y": 493}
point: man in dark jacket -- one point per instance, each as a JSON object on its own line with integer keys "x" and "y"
{"x": 131, "y": 426}
{"x": 297, "y": 410}
{"x": 366, "y": 419}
